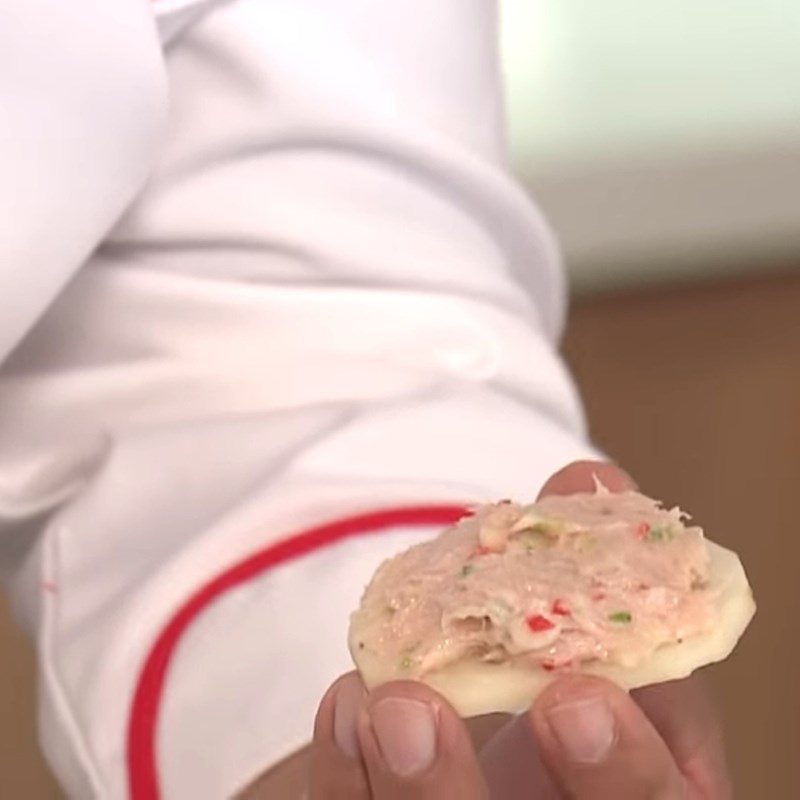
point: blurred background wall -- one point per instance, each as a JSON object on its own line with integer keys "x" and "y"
{"x": 662, "y": 141}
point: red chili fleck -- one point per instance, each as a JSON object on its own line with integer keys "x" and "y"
{"x": 599, "y": 596}
{"x": 480, "y": 550}
{"x": 642, "y": 530}
{"x": 643, "y": 587}
{"x": 537, "y": 623}
{"x": 560, "y": 608}
{"x": 548, "y": 665}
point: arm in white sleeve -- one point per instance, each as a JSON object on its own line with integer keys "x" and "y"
{"x": 326, "y": 323}
{"x": 73, "y": 79}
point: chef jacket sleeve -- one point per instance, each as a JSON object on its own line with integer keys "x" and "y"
{"x": 273, "y": 309}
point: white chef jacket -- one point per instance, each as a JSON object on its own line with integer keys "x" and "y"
{"x": 271, "y": 309}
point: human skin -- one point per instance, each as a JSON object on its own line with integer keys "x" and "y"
{"x": 582, "y": 738}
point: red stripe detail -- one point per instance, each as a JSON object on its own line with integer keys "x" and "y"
{"x": 143, "y": 721}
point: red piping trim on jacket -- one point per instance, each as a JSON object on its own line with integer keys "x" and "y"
{"x": 143, "y": 780}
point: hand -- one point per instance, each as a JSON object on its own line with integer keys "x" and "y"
{"x": 583, "y": 738}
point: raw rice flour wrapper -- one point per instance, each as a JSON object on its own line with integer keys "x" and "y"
{"x": 497, "y": 605}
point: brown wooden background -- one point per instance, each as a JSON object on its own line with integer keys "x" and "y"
{"x": 696, "y": 391}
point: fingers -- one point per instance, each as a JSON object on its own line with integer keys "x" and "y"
{"x": 415, "y": 747}
{"x": 685, "y": 717}
{"x": 597, "y": 743}
{"x": 402, "y": 742}
{"x": 337, "y": 770}
{"x": 579, "y": 476}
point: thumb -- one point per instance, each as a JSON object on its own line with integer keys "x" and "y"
{"x": 415, "y": 747}
{"x": 597, "y": 743}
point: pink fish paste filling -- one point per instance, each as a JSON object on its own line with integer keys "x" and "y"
{"x": 569, "y": 580}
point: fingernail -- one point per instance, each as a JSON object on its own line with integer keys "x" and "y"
{"x": 406, "y": 734}
{"x": 585, "y": 728}
{"x": 345, "y": 717}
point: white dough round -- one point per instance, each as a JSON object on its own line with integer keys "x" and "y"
{"x": 475, "y": 686}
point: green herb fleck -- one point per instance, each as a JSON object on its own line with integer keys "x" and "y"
{"x": 467, "y": 569}
{"x": 660, "y": 533}
{"x": 621, "y": 617}
{"x": 405, "y": 662}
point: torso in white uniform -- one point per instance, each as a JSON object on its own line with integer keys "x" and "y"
{"x": 271, "y": 310}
